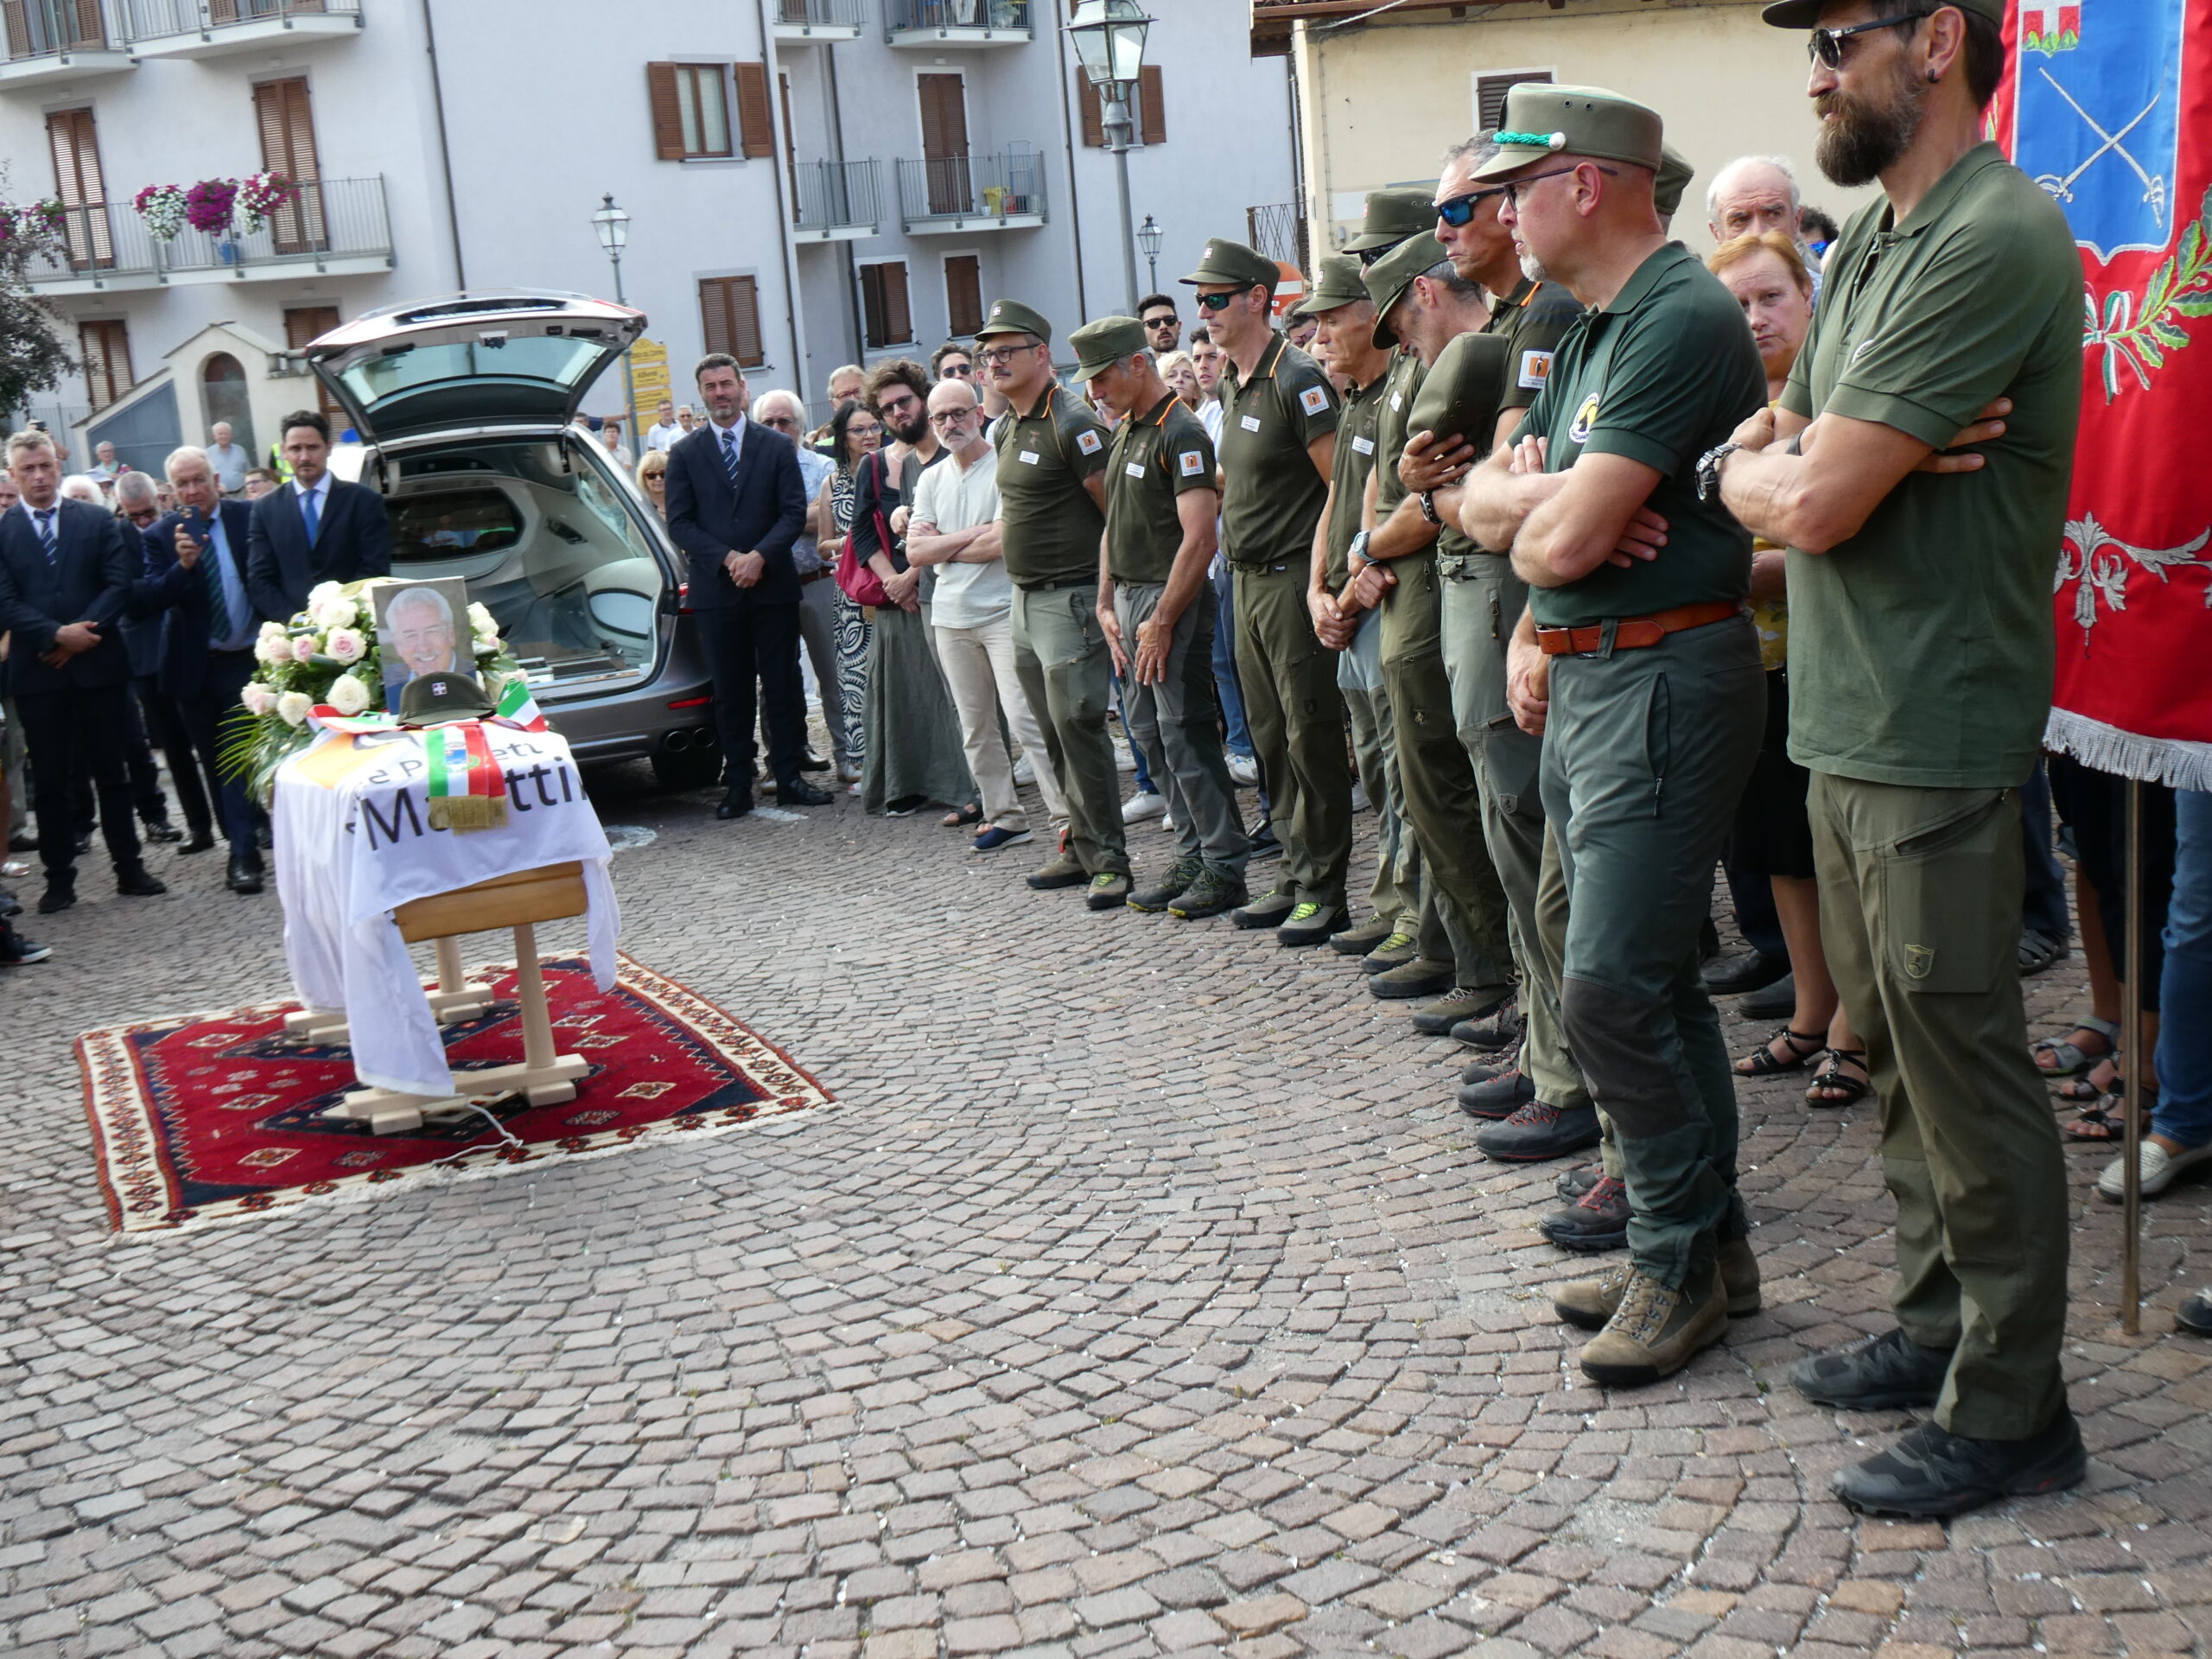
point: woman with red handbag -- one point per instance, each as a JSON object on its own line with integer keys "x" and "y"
{"x": 854, "y": 433}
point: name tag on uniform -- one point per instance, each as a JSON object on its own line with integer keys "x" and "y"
{"x": 1365, "y": 446}
{"x": 1534, "y": 367}
{"x": 1133, "y": 468}
{"x": 1029, "y": 457}
{"x": 1313, "y": 400}
{"x": 1087, "y": 442}
{"x": 1250, "y": 422}
{"x": 1396, "y": 402}
{"x": 1191, "y": 462}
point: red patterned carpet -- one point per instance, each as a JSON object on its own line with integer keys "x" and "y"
{"x": 221, "y": 1115}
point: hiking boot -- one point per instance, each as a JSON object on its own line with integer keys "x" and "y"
{"x": 1395, "y": 951}
{"x": 1572, "y": 1185}
{"x": 1273, "y": 911}
{"x": 1591, "y": 1303}
{"x": 1539, "y": 1131}
{"x": 1498, "y": 1098}
{"x": 1464, "y": 1003}
{"x": 1064, "y": 871}
{"x": 1596, "y": 1221}
{"x": 1422, "y": 977}
{"x": 1503, "y": 1029}
{"x": 1885, "y": 1373}
{"x": 1358, "y": 941}
{"x": 1933, "y": 1473}
{"x": 1654, "y": 1331}
{"x": 1169, "y": 886}
{"x": 1482, "y": 1071}
{"x": 1311, "y": 924}
{"x": 1109, "y": 890}
{"x": 1209, "y": 895}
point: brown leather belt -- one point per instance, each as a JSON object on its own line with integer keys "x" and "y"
{"x": 814, "y": 576}
{"x": 1632, "y": 632}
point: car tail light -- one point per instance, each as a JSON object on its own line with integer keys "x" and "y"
{"x": 683, "y": 598}
{"x": 690, "y": 703}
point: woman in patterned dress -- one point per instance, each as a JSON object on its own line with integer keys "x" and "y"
{"x": 854, "y": 433}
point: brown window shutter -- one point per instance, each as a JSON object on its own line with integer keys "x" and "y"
{"x": 1152, "y": 107}
{"x": 303, "y": 324}
{"x": 1094, "y": 114}
{"x": 899, "y": 317}
{"x": 714, "y": 316}
{"x": 755, "y": 121}
{"x": 105, "y": 347}
{"x": 286, "y": 120}
{"x": 668, "y": 122}
{"x": 1490, "y": 90}
{"x": 963, "y": 294}
{"x": 90, "y": 30}
{"x": 745, "y": 321}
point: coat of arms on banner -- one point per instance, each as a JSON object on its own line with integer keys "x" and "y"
{"x": 2099, "y": 123}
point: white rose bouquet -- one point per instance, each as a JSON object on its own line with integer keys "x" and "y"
{"x": 327, "y": 657}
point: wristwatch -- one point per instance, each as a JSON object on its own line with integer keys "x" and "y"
{"x": 1708, "y": 469}
{"x": 1358, "y": 548}
{"x": 1428, "y": 499}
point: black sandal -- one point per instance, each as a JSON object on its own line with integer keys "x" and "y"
{"x": 1761, "y": 1061}
{"x": 960, "y": 817}
{"x": 1844, "y": 1090}
{"x": 2086, "y": 1090}
{"x": 2107, "y": 1121}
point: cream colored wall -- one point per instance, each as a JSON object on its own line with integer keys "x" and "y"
{"x": 1381, "y": 102}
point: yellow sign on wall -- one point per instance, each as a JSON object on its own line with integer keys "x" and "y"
{"x": 649, "y": 372}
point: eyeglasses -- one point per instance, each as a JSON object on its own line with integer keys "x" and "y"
{"x": 856, "y": 430}
{"x": 779, "y": 419}
{"x": 949, "y": 416}
{"x": 1456, "y": 211}
{"x": 1219, "y": 302}
{"x": 1825, "y": 48}
{"x": 1513, "y": 187}
{"x": 958, "y": 368}
{"x": 996, "y": 355}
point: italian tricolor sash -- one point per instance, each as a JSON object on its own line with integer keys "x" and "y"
{"x": 468, "y": 788}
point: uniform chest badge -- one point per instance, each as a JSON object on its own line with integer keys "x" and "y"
{"x": 1585, "y": 418}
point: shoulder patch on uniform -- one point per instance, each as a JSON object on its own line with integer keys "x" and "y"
{"x": 1313, "y": 400}
{"x": 1086, "y": 440}
{"x": 1534, "y": 367}
{"x": 1585, "y": 418}
{"x": 1190, "y": 463}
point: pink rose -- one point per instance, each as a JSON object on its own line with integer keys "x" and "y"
{"x": 303, "y": 648}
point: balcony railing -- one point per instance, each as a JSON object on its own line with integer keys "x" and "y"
{"x": 105, "y": 245}
{"x": 154, "y": 20}
{"x": 845, "y": 16}
{"x": 1009, "y": 186}
{"x": 42, "y": 28}
{"x": 934, "y": 17}
{"x": 830, "y": 196}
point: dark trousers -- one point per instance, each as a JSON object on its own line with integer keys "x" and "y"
{"x": 145, "y": 778}
{"x": 744, "y": 642}
{"x": 2043, "y": 908}
{"x": 202, "y": 719}
{"x": 165, "y": 728}
{"x": 82, "y": 732}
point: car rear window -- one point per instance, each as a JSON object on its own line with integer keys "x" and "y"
{"x": 454, "y": 522}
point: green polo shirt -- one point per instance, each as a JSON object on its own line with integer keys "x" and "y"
{"x": 1468, "y": 376}
{"x": 1392, "y": 423}
{"x": 1354, "y": 459}
{"x": 1921, "y": 649}
{"x": 1271, "y": 497}
{"x": 1533, "y": 318}
{"x": 1154, "y": 458}
{"x": 1661, "y": 375}
{"x": 1049, "y": 525}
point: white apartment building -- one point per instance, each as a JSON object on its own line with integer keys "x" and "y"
{"x": 809, "y": 183}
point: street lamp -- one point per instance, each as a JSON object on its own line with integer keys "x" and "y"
{"x": 1110, "y": 42}
{"x": 1149, "y": 239}
{"x": 612, "y": 225}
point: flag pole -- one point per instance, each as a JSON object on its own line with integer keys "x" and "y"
{"x": 2130, "y": 1022}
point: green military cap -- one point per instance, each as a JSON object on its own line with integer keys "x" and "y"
{"x": 1674, "y": 176}
{"x": 1225, "y": 261}
{"x": 1393, "y": 215}
{"x": 1012, "y": 317}
{"x": 436, "y": 699}
{"x": 1805, "y": 14}
{"x": 1391, "y": 278}
{"x": 1102, "y": 343}
{"x": 1337, "y": 284}
{"x": 1543, "y": 120}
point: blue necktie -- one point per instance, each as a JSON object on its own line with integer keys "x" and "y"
{"x": 219, "y": 602}
{"x": 308, "y": 515}
{"x": 730, "y": 455}
{"x": 47, "y": 539}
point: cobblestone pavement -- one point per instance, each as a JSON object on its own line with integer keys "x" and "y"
{"x": 1142, "y": 1294}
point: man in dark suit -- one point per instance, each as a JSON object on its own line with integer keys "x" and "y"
{"x": 194, "y": 581}
{"x": 314, "y": 529}
{"x": 736, "y": 505}
{"x": 65, "y": 581}
{"x": 152, "y": 718}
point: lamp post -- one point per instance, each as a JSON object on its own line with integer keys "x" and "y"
{"x": 1148, "y": 237}
{"x": 612, "y": 225}
{"x": 1110, "y": 42}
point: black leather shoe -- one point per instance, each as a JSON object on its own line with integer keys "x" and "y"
{"x": 798, "y": 792}
{"x": 22, "y": 842}
{"x": 1596, "y": 1221}
{"x": 58, "y": 896}
{"x": 1539, "y": 1131}
{"x": 136, "y": 883}
{"x": 1752, "y": 970}
{"x": 735, "y": 805}
{"x": 245, "y": 874}
{"x": 199, "y": 841}
{"x": 1885, "y": 1373}
{"x": 1500, "y": 1097}
{"x": 1933, "y": 1473}
{"x": 812, "y": 762}
{"x": 162, "y": 830}
{"x": 1777, "y": 1001}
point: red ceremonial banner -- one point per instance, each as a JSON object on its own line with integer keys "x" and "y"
{"x": 2109, "y": 108}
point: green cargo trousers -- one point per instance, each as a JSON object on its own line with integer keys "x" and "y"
{"x": 1483, "y": 602}
{"x": 1646, "y": 753}
{"x": 1920, "y": 917}
{"x": 1176, "y": 721}
{"x": 1395, "y": 895}
{"x": 1438, "y": 778}
{"x": 1296, "y": 715}
{"x": 1066, "y": 670}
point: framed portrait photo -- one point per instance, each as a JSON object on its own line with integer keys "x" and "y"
{"x": 422, "y": 628}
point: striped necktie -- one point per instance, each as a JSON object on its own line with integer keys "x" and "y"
{"x": 730, "y": 455}
{"x": 48, "y": 541}
{"x": 220, "y": 623}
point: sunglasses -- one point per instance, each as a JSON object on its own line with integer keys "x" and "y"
{"x": 779, "y": 419}
{"x": 956, "y": 369}
{"x": 1218, "y": 302}
{"x": 1513, "y": 187}
{"x": 1159, "y": 322}
{"x": 1456, "y": 211}
{"x": 1825, "y": 48}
